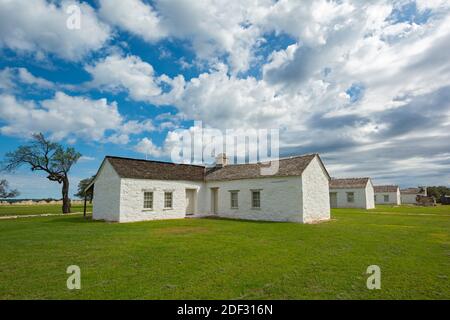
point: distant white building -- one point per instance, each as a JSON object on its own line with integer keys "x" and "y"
{"x": 352, "y": 193}
{"x": 128, "y": 190}
{"x": 387, "y": 195}
{"x": 408, "y": 196}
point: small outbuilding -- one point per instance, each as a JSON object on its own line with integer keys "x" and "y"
{"x": 389, "y": 194}
{"x": 352, "y": 193}
{"x": 409, "y": 195}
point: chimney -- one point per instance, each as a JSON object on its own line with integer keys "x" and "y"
{"x": 221, "y": 160}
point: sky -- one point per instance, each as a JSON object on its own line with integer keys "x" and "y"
{"x": 366, "y": 84}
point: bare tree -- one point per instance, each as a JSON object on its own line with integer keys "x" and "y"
{"x": 42, "y": 155}
{"x": 5, "y": 192}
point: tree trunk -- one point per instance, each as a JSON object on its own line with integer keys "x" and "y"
{"x": 65, "y": 196}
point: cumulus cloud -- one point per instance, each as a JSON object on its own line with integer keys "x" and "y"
{"x": 311, "y": 21}
{"x": 13, "y": 79}
{"x": 147, "y": 147}
{"x": 40, "y": 28}
{"x": 363, "y": 82}
{"x": 214, "y": 28}
{"x": 67, "y": 117}
{"x": 308, "y": 90}
{"x": 116, "y": 73}
{"x": 134, "y": 16}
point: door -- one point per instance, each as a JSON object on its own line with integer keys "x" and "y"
{"x": 214, "y": 200}
{"x": 190, "y": 201}
{"x": 333, "y": 199}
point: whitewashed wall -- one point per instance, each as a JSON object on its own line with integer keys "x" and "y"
{"x": 106, "y": 201}
{"x": 281, "y": 199}
{"x": 394, "y": 198}
{"x": 408, "y": 198}
{"x": 132, "y": 199}
{"x": 316, "y": 193}
{"x": 360, "y": 198}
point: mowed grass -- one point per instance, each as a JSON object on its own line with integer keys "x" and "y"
{"x": 17, "y": 210}
{"x": 402, "y": 210}
{"x": 226, "y": 259}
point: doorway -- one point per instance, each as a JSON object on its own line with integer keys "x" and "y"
{"x": 333, "y": 199}
{"x": 214, "y": 200}
{"x": 191, "y": 199}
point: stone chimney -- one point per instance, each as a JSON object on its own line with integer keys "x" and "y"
{"x": 221, "y": 160}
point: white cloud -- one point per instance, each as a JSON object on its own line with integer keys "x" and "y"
{"x": 214, "y": 28}
{"x": 69, "y": 117}
{"x": 40, "y": 27}
{"x": 12, "y": 79}
{"x": 432, "y": 4}
{"x": 303, "y": 91}
{"x": 86, "y": 158}
{"x": 148, "y": 148}
{"x": 116, "y": 73}
{"x": 311, "y": 21}
{"x": 133, "y": 16}
{"x": 26, "y": 77}
{"x": 225, "y": 101}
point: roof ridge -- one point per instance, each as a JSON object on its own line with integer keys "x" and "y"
{"x": 299, "y": 156}
{"x": 204, "y": 166}
{"x": 283, "y": 158}
{"x": 360, "y": 178}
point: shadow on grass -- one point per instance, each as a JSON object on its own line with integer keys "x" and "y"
{"x": 72, "y": 219}
{"x": 245, "y": 220}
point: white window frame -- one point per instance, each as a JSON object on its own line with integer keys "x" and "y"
{"x": 165, "y": 199}
{"x": 350, "y": 197}
{"x": 253, "y": 192}
{"x": 149, "y": 208}
{"x": 234, "y": 192}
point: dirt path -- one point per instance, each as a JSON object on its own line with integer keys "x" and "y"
{"x": 40, "y": 215}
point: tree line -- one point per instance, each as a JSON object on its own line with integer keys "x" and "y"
{"x": 438, "y": 191}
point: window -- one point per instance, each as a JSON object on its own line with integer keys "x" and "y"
{"x": 375, "y": 198}
{"x": 148, "y": 200}
{"x": 350, "y": 197}
{"x": 256, "y": 199}
{"x": 386, "y": 198}
{"x": 168, "y": 200}
{"x": 234, "y": 199}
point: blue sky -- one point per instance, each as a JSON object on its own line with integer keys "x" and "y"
{"x": 364, "y": 83}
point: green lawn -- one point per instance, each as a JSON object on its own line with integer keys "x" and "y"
{"x": 403, "y": 210}
{"x": 17, "y": 210}
{"x": 225, "y": 259}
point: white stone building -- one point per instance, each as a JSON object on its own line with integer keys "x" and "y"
{"x": 128, "y": 190}
{"x": 352, "y": 193}
{"x": 409, "y": 195}
{"x": 387, "y": 195}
